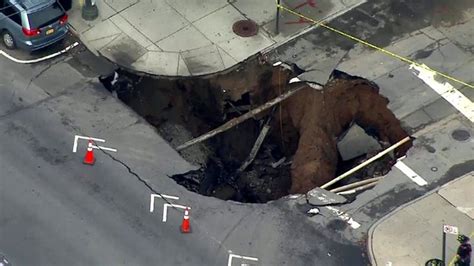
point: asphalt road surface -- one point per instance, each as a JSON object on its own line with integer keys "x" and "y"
{"x": 54, "y": 210}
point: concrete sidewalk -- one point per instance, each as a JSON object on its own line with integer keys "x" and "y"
{"x": 412, "y": 234}
{"x": 192, "y": 37}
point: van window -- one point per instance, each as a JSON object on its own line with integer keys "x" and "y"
{"x": 12, "y": 13}
{"x": 45, "y": 16}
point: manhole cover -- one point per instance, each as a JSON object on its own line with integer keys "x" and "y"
{"x": 245, "y": 28}
{"x": 461, "y": 135}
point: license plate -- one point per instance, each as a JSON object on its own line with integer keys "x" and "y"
{"x": 50, "y": 31}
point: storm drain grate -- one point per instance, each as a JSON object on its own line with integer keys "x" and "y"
{"x": 461, "y": 135}
{"x": 245, "y": 28}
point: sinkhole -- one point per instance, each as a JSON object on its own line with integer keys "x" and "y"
{"x": 291, "y": 147}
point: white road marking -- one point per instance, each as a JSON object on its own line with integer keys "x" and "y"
{"x": 77, "y": 137}
{"x": 447, "y": 91}
{"x": 345, "y": 217}
{"x": 231, "y": 256}
{"x": 410, "y": 173}
{"x": 165, "y": 209}
{"x": 153, "y": 196}
{"x": 20, "y": 61}
{"x": 104, "y": 148}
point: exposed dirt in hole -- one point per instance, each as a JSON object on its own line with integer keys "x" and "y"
{"x": 300, "y": 150}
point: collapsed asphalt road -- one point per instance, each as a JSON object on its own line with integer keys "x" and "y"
{"x": 300, "y": 151}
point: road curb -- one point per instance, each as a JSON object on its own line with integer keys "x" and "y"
{"x": 374, "y": 226}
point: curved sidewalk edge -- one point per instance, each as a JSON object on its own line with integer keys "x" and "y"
{"x": 176, "y": 38}
{"x": 418, "y": 218}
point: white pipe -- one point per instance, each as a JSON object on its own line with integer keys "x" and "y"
{"x": 380, "y": 154}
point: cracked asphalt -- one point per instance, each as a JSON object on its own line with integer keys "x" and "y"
{"x": 55, "y": 210}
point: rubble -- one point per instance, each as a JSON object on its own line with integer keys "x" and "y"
{"x": 321, "y": 197}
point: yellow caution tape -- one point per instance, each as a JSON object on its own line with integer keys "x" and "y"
{"x": 387, "y": 52}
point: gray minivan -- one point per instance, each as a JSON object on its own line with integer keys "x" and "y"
{"x": 32, "y": 24}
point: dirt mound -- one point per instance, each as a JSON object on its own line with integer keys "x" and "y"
{"x": 321, "y": 118}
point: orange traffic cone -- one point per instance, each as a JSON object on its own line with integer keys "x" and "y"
{"x": 89, "y": 157}
{"x": 185, "y": 227}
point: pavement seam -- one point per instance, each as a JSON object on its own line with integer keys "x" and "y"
{"x": 238, "y": 61}
{"x": 177, "y": 64}
{"x": 167, "y": 36}
{"x": 267, "y": 32}
{"x": 42, "y": 71}
{"x": 177, "y": 29}
{"x": 236, "y": 225}
{"x": 118, "y": 12}
{"x": 35, "y": 104}
{"x": 210, "y": 13}
{"x": 185, "y": 63}
{"x": 115, "y": 36}
{"x": 38, "y": 103}
{"x": 452, "y": 205}
{"x": 306, "y": 30}
{"x": 238, "y": 10}
{"x": 135, "y": 28}
{"x": 220, "y": 56}
{"x": 191, "y": 24}
{"x": 111, "y": 41}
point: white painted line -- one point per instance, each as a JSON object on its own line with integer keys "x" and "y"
{"x": 231, "y": 256}
{"x": 153, "y": 196}
{"x": 20, "y": 61}
{"x": 345, "y": 217}
{"x": 165, "y": 209}
{"x": 104, "y": 148}
{"x": 447, "y": 91}
{"x": 410, "y": 173}
{"x": 77, "y": 137}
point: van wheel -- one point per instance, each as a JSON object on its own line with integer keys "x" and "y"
{"x": 8, "y": 40}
